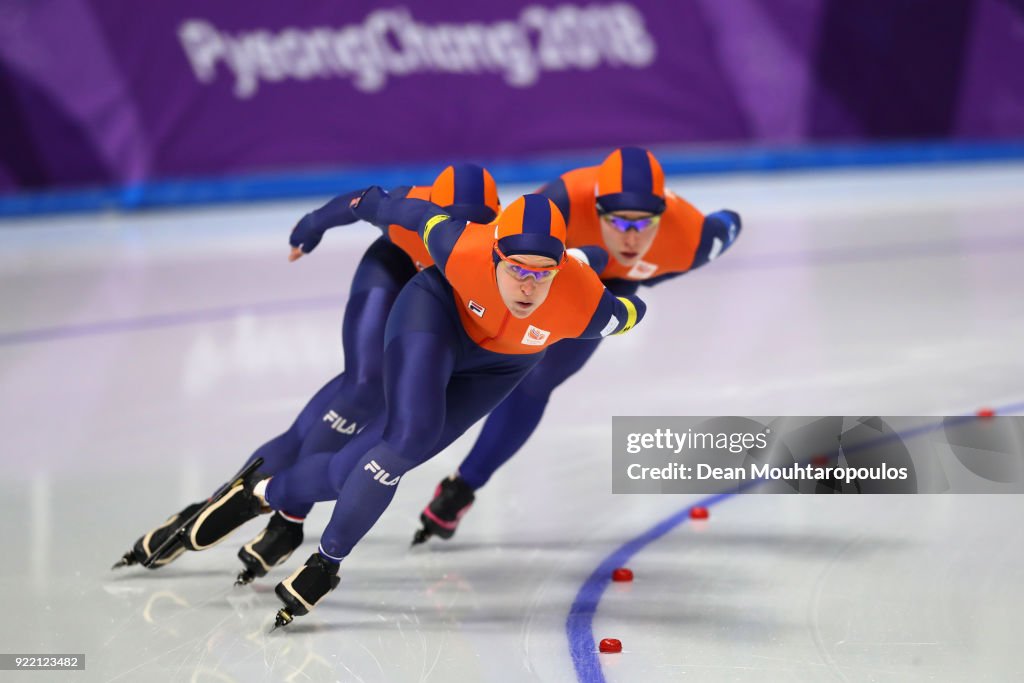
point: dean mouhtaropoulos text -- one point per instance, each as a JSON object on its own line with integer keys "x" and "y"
{"x": 755, "y": 471}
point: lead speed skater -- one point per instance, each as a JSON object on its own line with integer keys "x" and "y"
{"x": 459, "y": 338}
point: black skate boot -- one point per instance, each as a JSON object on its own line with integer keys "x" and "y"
{"x": 225, "y": 514}
{"x": 271, "y": 547}
{"x": 452, "y": 499}
{"x": 301, "y": 591}
{"x": 145, "y": 546}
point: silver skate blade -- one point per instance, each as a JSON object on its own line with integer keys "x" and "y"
{"x": 244, "y": 578}
{"x": 127, "y": 560}
{"x": 282, "y": 618}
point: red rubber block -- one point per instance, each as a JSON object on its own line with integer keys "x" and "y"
{"x": 698, "y": 513}
{"x": 622, "y": 574}
{"x": 610, "y": 645}
{"x": 986, "y": 412}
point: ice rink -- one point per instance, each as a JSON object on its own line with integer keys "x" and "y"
{"x": 144, "y": 356}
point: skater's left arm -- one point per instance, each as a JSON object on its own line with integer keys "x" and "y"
{"x": 436, "y": 228}
{"x": 591, "y": 255}
{"x": 614, "y": 315}
{"x": 310, "y": 229}
{"x": 718, "y": 232}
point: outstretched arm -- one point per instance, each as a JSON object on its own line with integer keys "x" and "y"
{"x": 592, "y": 255}
{"x": 615, "y": 315}
{"x": 437, "y": 229}
{"x": 718, "y": 232}
{"x": 310, "y": 229}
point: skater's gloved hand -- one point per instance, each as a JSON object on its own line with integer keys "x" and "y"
{"x": 368, "y": 204}
{"x": 725, "y": 225}
{"x": 311, "y": 228}
{"x": 305, "y": 236}
{"x": 719, "y": 232}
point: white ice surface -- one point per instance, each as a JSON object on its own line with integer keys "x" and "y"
{"x": 161, "y": 348}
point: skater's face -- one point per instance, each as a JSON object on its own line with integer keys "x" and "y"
{"x": 523, "y": 293}
{"x": 629, "y": 234}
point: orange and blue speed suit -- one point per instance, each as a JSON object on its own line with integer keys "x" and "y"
{"x": 346, "y": 403}
{"x": 686, "y": 240}
{"x": 452, "y": 352}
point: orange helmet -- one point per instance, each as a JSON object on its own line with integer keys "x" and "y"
{"x": 467, "y": 192}
{"x": 630, "y": 179}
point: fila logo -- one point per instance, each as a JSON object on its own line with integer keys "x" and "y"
{"x": 381, "y": 475}
{"x": 642, "y": 270}
{"x": 535, "y": 336}
{"x": 340, "y": 424}
{"x": 476, "y": 308}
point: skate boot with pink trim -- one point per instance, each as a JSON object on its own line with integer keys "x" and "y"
{"x": 452, "y": 499}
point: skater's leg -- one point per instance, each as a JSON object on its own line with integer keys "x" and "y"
{"x": 413, "y": 424}
{"x": 424, "y": 346}
{"x": 334, "y": 417}
{"x": 330, "y": 419}
{"x": 359, "y": 394}
{"x": 420, "y": 363}
{"x": 453, "y": 497}
{"x": 308, "y": 482}
{"x": 356, "y": 399}
{"x": 380, "y": 276}
{"x": 505, "y": 431}
{"x": 281, "y": 452}
{"x": 509, "y": 425}
{"x": 344, "y": 405}
{"x": 419, "y": 368}
{"x": 295, "y": 490}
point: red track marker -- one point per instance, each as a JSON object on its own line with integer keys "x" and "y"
{"x": 698, "y": 513}
{"x": 622, "y": 574}
{"x": 610, "y": 645}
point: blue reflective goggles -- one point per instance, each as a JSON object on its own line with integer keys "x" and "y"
{"x": 522, "y": 272}
{"x": 625, "y": 224}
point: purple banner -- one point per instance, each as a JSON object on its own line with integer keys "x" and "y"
{"x": 119, "y": 91}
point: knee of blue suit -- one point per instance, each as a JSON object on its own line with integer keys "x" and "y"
{"x": 537, "y": 386}
{"x": 382, "y": 464}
